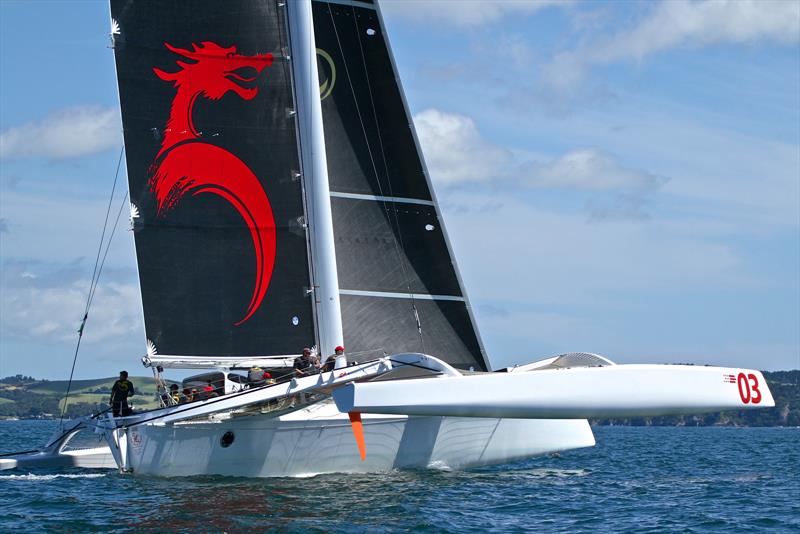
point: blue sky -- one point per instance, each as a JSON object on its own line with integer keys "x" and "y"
{"x": 620, "y": 178}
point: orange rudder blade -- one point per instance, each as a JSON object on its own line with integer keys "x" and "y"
{"x": 358, "y": 432}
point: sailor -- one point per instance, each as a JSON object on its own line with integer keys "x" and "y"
{"x": 120, "y": 391}
{"x": 330, "y": 363}
{"x": 186, "y": 396}
{"x": 268, "y": 378}
{"x": 174, "y": 394}
{"x": 207, "y": 391}
{"x": 255, "y": 377}
{"x": 305, "y": 365}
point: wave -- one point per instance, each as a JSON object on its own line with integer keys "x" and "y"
{"x": 30, "y": 476}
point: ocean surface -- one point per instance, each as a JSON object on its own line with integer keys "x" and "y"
{"x": 637, "y": 479}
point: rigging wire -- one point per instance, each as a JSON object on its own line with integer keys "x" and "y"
{"x": 98, "y": 268}
{"x": 108, "y": 245}
{"x": 386, "y": 170}
{"x": 398, "y": 242}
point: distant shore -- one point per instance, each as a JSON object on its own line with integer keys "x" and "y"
{"x": 25, "y": 397}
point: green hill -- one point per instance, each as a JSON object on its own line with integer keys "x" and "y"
{"x": 27, "y": 397}
{"x": 59, "y": 387}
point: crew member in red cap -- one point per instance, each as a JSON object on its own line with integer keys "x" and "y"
{"x": 330, "y": 363}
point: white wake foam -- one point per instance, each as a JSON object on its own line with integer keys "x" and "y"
{"x": 30, "y": 476}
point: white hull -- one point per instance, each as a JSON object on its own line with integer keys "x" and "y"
{"x": 61, "y": 451}
{"x": 95, "y": 458}
{"x": 319, "y": 439}
{"x": 583, "y": 392}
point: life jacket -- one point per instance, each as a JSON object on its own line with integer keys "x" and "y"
{"x": 121, "y": 390}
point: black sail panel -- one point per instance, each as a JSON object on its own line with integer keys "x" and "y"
{"x": 212, "y": 159}
{"x": 383, "y": 323}
{"x": 367, "y": 136}
{"x": 368, "y": 235}
{"x": 399, "y": 285}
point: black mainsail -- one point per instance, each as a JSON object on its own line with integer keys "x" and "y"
{"x": 215, "y": 176}
{"x": 212, "y": 158}
{"x": 399, "y": 285}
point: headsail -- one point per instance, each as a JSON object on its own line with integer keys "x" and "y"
{"x": 207, "y": 109}
{"x": 399, "y": 285}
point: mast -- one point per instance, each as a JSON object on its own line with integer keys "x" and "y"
{"x": 315, "y": 175}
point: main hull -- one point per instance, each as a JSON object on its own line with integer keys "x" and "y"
{"x": 319, "y": 440}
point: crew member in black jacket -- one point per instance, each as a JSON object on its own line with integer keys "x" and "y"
{"x": 122, "y": 389}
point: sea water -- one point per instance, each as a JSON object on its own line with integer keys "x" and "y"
{"x": 637, "y": 479}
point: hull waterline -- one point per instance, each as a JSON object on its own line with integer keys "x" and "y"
{"x": 319, "y": 440}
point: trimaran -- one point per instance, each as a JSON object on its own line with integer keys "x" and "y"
{"x": 279, "y": 200}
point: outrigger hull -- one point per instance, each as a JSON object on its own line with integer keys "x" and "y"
{"x": 319, "y": 439}
{"x": 64, "y": 450}
{"x": 94, "y": 458}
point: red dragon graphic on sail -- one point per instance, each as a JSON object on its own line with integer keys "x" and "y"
{"x": 187, "y": 164}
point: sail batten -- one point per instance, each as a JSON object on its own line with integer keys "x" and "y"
{"x": 386, "y": 294}
{"x": 379, "y": 198}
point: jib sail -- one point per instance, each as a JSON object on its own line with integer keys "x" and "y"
{"x": 399, "y": 286}
{"x": 212, "y": 160}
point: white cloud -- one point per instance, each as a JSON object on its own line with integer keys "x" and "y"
{"x": 53, "y": 313}
{"x": 590, "y": 169}
{"x": 720, "y": 173}
{"x": 456, "y": 153}
{"x": 677, "y": 24}
{"x": 463, "y": 14}
{"x": 690, "y": 23}
{"x": 67, "y": 133}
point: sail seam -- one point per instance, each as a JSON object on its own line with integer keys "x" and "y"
{"x": 403, "y": 295}
{"x": 352, "y": 3}
{"x": 379, "y": 198}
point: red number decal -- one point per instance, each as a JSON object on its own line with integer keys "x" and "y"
{"x": 756, "y": 398}
{"x": 744, "y": 388}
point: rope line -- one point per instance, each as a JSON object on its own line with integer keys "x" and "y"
{"x": 98, "y": 268}
{"x": 388, "y": 179}
{"x": 397, "y": 245}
